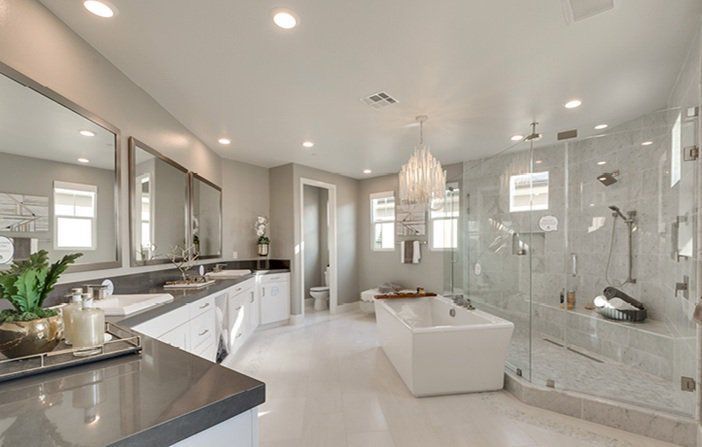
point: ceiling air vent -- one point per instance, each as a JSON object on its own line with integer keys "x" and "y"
{"x": 577, "y": 10}
{"x": 379, "y": 100}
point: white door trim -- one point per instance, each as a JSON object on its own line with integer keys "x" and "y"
{"x": 333, "y": 264}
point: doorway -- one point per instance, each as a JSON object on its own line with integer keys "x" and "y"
{"x": 318, "y": 281}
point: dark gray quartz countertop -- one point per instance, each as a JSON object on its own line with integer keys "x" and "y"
{"x": 157, "y": 397}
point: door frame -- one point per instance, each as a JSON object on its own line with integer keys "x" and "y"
{"x": 331, "y": 243}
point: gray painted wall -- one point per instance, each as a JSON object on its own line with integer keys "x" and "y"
{"x": 245, "y": 195}
{"x": 378, "y": 267}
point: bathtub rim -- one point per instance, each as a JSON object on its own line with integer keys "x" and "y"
{"x": 498, "y": 323}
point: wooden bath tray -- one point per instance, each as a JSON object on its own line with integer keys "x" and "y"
{"x": 392, "y": 296}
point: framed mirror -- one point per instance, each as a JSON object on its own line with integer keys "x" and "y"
{"x": 206, "y": 217}
{"x": 158, "y": 205}
{"x": 59, "y": 177}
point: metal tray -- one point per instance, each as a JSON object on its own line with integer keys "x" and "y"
{"x": 124, "y": 341}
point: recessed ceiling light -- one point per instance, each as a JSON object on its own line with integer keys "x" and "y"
{"x": 83, "y": 160}
{"x": 647, "y": 143}
{"x": 538, "y": 162}
{"x": 308, "y": 144}
{"x": 224, "y": 141}
{"x": 100, "y": 8}
{"x": 573, "y": 103}
{"x": 601, "y": 163}
{"x": 284, "y": 18}
{"x": 517, "y": 137}
{"x": 87, "y": 133}
{"x": 367, "y": 171}
{"x": 601, "y": 126}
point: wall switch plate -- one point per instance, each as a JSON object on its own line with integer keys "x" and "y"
{"x": 235, "y": 255}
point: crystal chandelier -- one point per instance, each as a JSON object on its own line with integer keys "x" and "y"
{"x": 422, "y": 179}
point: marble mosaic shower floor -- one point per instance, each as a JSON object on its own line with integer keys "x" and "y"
{"x": 328, "y": 383}
{"x": 610, "y": 379}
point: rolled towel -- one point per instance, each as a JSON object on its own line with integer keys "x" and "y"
{"x": 620, "y": 304}
{"x": 600, "y": 301}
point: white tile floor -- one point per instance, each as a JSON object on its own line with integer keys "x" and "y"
{"x": 329, "y": 384}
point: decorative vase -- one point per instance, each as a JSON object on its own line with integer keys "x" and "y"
{"x": 263, "y": 249}
{"x": 22, "y": 338}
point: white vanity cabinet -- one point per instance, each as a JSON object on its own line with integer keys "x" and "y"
{"x": 274, "y": 296}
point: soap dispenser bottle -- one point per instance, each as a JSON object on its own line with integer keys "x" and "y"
{"x": 69, "y": 311}
{"x": 88, "y": 333}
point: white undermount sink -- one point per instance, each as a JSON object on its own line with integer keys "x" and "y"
{"x": 228, "y": 274}
{"x": 128, "y": 304}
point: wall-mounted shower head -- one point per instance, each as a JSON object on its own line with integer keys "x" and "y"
{"x": 608, "y": 178}
{"x": 617, "y": 211}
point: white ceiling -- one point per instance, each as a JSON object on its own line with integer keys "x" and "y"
{"x": 482, "y": 71}
{"x": 35, "y": 126}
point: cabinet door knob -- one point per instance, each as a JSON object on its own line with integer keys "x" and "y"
{"x": 202, "y": 306}
{"x": 203, "y": 332}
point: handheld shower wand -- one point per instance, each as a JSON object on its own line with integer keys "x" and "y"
{"x": 629, "y": 221}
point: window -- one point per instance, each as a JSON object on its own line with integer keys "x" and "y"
{"x": 528, "y": 192}
{"x": 444, "y": 222}
{"x": 383, "y": 221}
{"x": 75, "y": 217}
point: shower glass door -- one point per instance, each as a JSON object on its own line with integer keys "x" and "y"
{"x": 498, "y": 242}
{"x": 640, "y": 169}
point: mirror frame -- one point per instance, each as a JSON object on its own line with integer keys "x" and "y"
{"x": 133, "y": 145}
{"x": 194, "y": 176}
{"x": 31, "y": 84}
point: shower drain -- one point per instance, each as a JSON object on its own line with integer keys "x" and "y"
{"x": 594, "y": 359}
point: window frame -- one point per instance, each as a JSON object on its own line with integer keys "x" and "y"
{"x": 431, "y": 221}
{"x": 79, "y": 187}
{"x": 513, "y": 208}
{"x": 374, "y": 223}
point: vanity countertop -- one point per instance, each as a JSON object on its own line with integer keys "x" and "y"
{"x": 183, "y": 297}
{"x": 157, "y": 397}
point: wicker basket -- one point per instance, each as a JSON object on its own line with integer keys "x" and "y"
{"x": 623, "y": 315}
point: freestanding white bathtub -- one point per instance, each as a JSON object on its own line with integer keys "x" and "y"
{"x": 437, "y": 351}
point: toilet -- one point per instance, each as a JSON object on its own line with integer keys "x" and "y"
{"x": 321, "y": 293}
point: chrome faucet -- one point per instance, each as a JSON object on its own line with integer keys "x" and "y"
{"x": 461, "y": 301}
{"x": 219, "y": 267}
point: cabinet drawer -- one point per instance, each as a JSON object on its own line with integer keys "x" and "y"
{"x": 275, "y": 277}
{"x": 202, "y": 329}
{"x": 158, "y": 326}
{"x": 242, "y": 287}
{"x": 202, "y": 305}
{"x": 207, "y": 351}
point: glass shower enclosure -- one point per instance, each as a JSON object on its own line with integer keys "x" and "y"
{"x": 544, "y": 230}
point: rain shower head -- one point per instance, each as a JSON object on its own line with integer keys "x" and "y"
{"x": 534, "y": 135}
{"x": 608, "y": 178}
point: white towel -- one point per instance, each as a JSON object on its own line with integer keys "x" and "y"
{"x": 416, "y": 253}
{"x": 614, "y": 303}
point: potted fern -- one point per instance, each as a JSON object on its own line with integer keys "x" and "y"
{"x": 28, "y": 328}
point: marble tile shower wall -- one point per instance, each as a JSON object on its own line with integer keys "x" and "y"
{"x": 665, "y": 345}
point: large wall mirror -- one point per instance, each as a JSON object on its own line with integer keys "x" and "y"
{"x": 59, "y": 177}
{"x": 206, "y": 211}
{"x": 158, "y": 191}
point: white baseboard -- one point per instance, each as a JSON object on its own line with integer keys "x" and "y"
{"x": 297, "y": 319}
{"x": 347, "y": 307}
